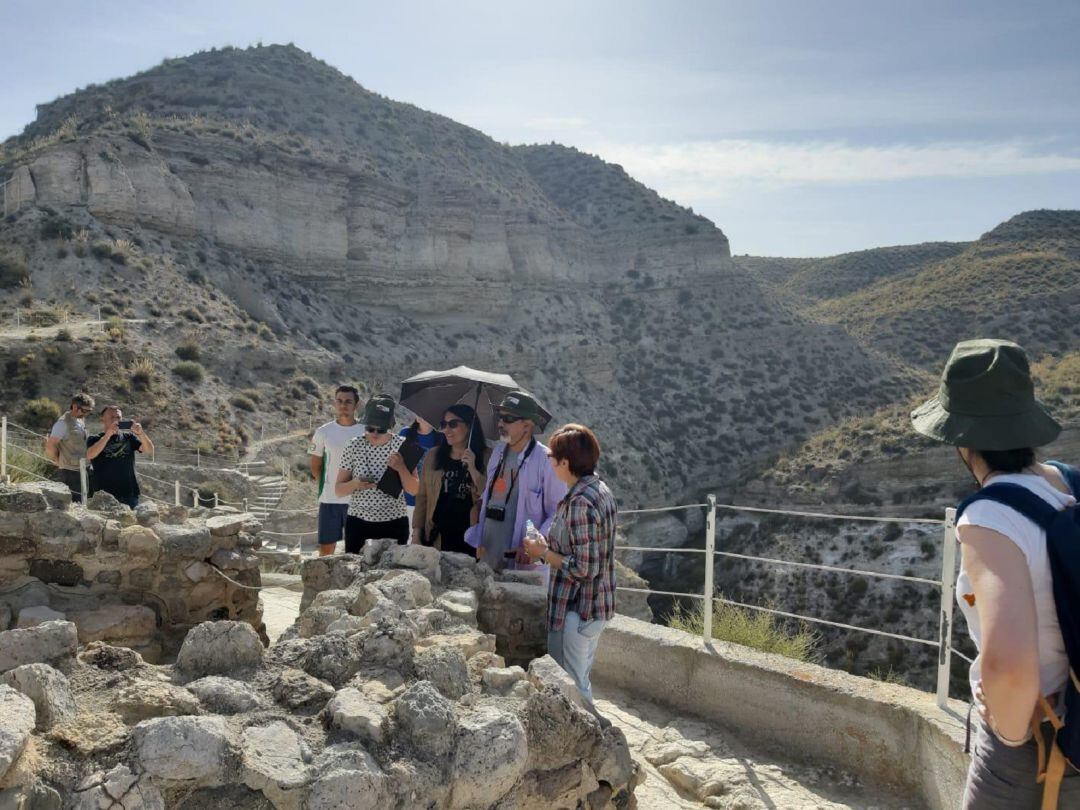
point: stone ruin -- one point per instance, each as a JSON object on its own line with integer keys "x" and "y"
{"x": 138, "y": 579}
{"x": 385, "y": 693}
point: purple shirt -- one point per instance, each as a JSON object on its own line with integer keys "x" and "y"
{"x": 538, "y": 494}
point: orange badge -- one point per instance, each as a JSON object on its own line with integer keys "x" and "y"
{"x": 969, "y": 598}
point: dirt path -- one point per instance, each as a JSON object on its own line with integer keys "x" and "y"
{"x": 77, "y": 329}
{"x": 692, "y": 764}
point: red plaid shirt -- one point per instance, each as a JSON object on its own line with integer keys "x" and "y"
{"x": 583, "y": 532}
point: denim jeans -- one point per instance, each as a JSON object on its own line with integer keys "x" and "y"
{"x": 574, "y": 648}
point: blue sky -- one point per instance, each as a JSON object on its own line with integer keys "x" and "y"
{"x": 800, "y": 128}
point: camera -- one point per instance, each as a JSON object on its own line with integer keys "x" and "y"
{"x": 495, "y": 513}
{"x": 125, "y": 424}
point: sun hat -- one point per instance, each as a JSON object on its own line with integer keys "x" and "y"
{"x": 523, "y": 405}
{"x": 986, "y": 400}
{"x": 379, "y": 412}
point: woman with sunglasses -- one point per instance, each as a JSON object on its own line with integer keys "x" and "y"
{"x": 452, "y": 483}
{"x": 372, "y": 513}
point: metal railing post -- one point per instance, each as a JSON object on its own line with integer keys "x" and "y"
{"x": 710, "y": 558}
{"x": 948, "y": 592}
{"x": 215, "y": 500}
{"x": 3, "y": 448}
{"x": 84, "y": 482}
{"x": 198, "y": 458}
{"x": 177, "y": 492}
{"x": 245, "y": 504}
{"x": 194, "y": 497}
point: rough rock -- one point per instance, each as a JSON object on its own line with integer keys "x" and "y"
{"x": 51, "y": 643}
{"x": 5, "y": 617}
{"x": 558, "y": 729}
{"x": 185, "y": 541}
{"x": 491, "y": 755}
{"x": 47, "y": 688}
{"x": 274, "y": 762}
{"x": 229, "y": 560}
{"x": 546, "y": 673}
{"x": 416, "y": 557}
{"x": 144, "y": 699}
{"x": 462, "y": 605}
{"x": 147, "y": 513}
{"x": 226, "y": 525}
{"x": 117, "y": 789}
{"x": 38, "y": 614}
{"x": 610, "y": 759}
{"x": 445, "y": 668}
{"x": 16, "y": 723}
{"x": 191, "y": 750}
{"x": 295, "y": 689}
{"x": 225, "y": 695}
{"x": 21, "y": 501}
{"x": 427, "y": 718}
{"x": 316, "y": 620}
{"x": 213, "y": 648}
{"x": 105, "y": 656}
{"x": 140, "y": 542}
{"x": 407, "y": 589}
{"x": 330, "y": 658}
{"x": 500, "y": 680}
{"x": 349, "y": 778}
{"x": 346, "y": 625}
{"x": 352, "y": 711}
{"x": 470, "y": 642}
{"x": 382, "y": 685}
{"x": 102, "y": 501}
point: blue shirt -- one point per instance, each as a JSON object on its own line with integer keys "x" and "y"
{"x": 427, "y": 442}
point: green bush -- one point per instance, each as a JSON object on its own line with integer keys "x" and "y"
{"x": 242, "y": 403}
{"x": 190, "y": 371}
{"x": 750, "y": 628}
{"x": 188, "y": 350}
{"x": 13, "y": 270}
{"x": 40, "y": 413}
{"x": 26, "y": 468}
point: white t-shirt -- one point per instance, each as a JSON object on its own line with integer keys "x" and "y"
{"x": 1031, "y": 540}
{"x": 329, "y": 443}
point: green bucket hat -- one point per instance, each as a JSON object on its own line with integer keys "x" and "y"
{"x": 379, "y": 411}
{"x": 986, "y": 400}
{"x": 524, "y": 405}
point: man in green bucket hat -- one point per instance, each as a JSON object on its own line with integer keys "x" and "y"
{"x": 986, "y": 408}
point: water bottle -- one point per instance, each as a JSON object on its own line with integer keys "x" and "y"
{"x": 530, "y": 531}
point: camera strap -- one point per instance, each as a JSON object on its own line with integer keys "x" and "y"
{"x": 514, "y": 474}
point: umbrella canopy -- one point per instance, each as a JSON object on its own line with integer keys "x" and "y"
{"x": 430, "y": 393}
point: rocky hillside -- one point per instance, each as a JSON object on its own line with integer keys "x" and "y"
{"x": 260, "y": 212}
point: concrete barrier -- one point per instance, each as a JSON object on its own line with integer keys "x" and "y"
{"x": 886, "y": 734}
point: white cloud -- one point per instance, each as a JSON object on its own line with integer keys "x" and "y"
{"x": 693, "y": 170}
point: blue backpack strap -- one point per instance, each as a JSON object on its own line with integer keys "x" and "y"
{"x": 1016, "y": 497}
{"x": 1070, "y": 474}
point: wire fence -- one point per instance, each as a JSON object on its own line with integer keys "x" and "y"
{"x": 709, "y": 554}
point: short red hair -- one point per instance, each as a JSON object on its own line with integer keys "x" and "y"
{"x": 578, "y": 446}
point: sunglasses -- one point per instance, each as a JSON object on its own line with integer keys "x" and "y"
{"x": 450, "y": 424}
{"x": 509, "y": 419}
{"x": 370, "y": 429}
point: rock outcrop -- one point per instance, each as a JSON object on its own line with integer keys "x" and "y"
{"x": 408, "y": 706}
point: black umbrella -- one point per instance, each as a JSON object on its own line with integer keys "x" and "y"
{"x": 430, "y": 393}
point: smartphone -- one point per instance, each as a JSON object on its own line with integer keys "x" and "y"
{"x": 125, "y": 424}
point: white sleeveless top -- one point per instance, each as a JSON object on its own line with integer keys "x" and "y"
{"x": 1031, "y": 540}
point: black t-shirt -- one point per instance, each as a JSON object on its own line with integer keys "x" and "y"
{"x": 454, "y": 507}
{"x": 114, "y": 467}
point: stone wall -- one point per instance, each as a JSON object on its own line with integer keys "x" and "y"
{"x": 384, "y": 695}
{"x": 140, "y": 579}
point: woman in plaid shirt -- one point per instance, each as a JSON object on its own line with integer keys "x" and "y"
{"x": 580, "y": 548}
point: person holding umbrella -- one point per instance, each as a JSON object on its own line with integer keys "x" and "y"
{"x": 451, "y": 483}
{"x": 521, "y": 486}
